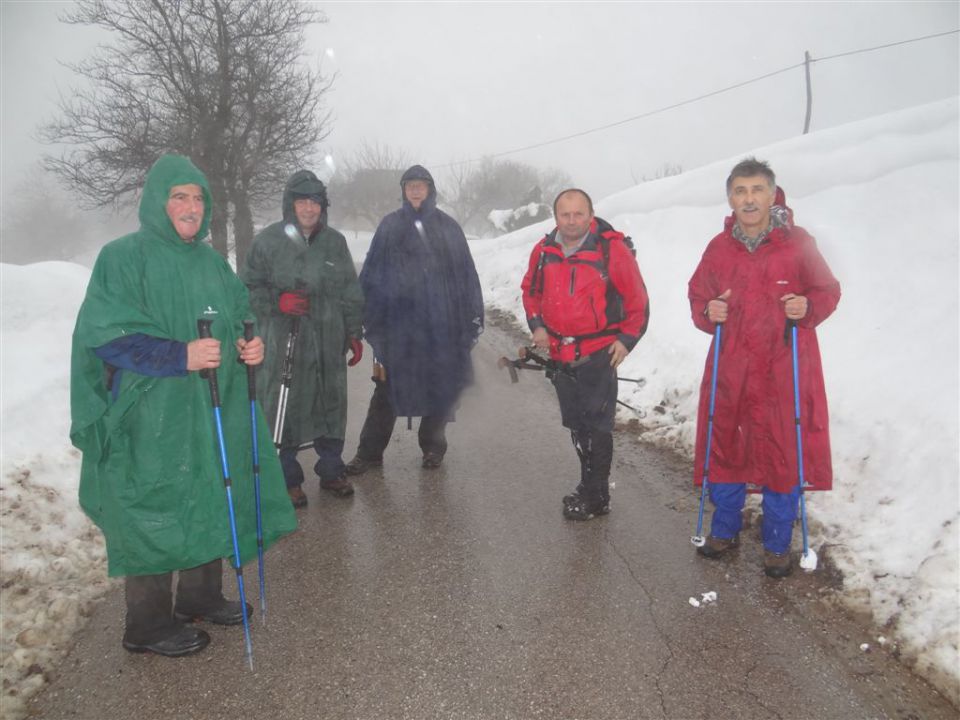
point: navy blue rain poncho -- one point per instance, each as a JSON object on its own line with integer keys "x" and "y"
{"x": 424, "y": 307}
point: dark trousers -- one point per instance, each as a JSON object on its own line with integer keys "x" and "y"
{"x": 588, "y": 403}
{"x": 329, "y": 465}
{"x": 378, "y": 427}
{"x": 150, "y": 600}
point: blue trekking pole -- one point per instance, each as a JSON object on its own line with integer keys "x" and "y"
{"x": 808, "y": 561}
{"x": 698, "y": 539}
{"x": 203, "y": 330}
{"x": 252, "y": 393}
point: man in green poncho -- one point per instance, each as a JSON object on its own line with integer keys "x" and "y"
{"x": 141, "y": 414}
{"x": 300, "y": 271}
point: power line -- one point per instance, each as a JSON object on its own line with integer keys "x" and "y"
{"x": 691, "y": 100}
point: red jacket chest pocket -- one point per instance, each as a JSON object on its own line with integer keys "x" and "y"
{"x": 574, "y": 298}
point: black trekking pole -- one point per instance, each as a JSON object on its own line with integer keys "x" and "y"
{"x": 286, "y": 378}
{"x": 203, "y": 330}
{"x": 255, "y": 445}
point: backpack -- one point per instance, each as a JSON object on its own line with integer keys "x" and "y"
{"x": 605, "y": 234}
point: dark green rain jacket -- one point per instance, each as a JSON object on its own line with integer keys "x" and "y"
{"x": 151, "y": 477}
{"x": 323, "y": 270}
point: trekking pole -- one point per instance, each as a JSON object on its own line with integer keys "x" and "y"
{"x": 286, "y": 378}
{"x": 203, "y": 330}
{"x": 698, "y": 539}
{"x": 808, "y": 561}
{"x": 255, "y": 446}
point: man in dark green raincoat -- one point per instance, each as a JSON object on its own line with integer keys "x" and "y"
{"x": 141, "y": 414}
{"x": 300, "y": 270}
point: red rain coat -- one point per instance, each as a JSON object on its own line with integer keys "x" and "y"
{"x": 754, "y": 433}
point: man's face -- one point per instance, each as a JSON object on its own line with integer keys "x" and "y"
{"x": 573, "y": 217}
{"x": 750, "y": 199}
{"x": 416, "y": 191}
{"x": 308, "y": 213}
{"x": 185, "y": 210}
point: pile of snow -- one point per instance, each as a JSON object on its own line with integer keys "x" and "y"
{"x": 52, "y": 559}
{"x": 882, "y": 199}
{"x": 506, "y": 220}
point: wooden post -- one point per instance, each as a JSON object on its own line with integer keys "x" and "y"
{"x": 806, "y": 68}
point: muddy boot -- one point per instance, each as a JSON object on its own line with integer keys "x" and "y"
{"x": 297, "y": 496}
{"x": 340, "y": 487}
{"x": 777, "y": 565}
{"x": 359, "y": 465}
{"x": 716, "y": 547}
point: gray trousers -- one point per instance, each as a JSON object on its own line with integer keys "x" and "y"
{"x": 150, "y": 604}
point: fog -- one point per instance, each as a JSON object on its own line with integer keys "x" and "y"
{"x": 451, "y": 82}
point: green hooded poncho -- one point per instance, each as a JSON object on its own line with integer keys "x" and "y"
{"x": 151, "y": 477}
{"x": 323, "y": 270}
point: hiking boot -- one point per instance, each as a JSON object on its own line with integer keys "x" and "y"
{"x": 184, "y": 641}
{"x": 716, "y": 547}
{"x": 777, "y": 565}
{"x": 340, "y": 487}
{"x": 431, "y": 460}
{"x": 580, "y": 509}
{"x": 297, "y": 496}
{"x": 228, "y": 612}
{"x": 359, "y": 465}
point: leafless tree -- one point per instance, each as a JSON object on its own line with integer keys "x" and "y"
{"x": 367, "y": 186}
{"x": 219, "y": 80}
{"x": 472, "y": 191}
{"x": 666, "y": 170}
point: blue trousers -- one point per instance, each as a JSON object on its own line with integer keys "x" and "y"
{"x": 329, "y": 465}
{"x": 779, "y": 514}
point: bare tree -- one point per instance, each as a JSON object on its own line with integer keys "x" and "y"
{"x": 218, "y": 80}
{"x": 368, "y": 186}
{"x": 473, "y": 191}
{"x": 666, "y": 170}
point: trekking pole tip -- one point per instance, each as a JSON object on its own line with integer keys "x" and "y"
{"x": 808, "y": 560}
{"x": 698, "y": 541}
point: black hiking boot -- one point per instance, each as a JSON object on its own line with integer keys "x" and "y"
{"x": 431, "y": 461}
{"x": 580, "y": 509}
{"x": 185, "y": 640}
{"x": 228, "y": 612}
{"x": 715, "y": 547}
{"x": 359, "y": 465}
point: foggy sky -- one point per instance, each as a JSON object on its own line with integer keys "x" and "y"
{"x": 452, "y": 81}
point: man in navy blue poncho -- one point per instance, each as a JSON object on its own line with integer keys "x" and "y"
{"x": 423, "y": 313}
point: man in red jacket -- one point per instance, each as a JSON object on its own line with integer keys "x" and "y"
{"x": 757, "y": 278}
{"x": 586, "y": 303}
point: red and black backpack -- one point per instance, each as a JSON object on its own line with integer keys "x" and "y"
{"x": 580, "y": 313}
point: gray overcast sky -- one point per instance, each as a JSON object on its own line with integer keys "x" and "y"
{"x": 451, "y": 81}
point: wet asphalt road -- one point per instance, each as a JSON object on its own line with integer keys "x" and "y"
{"x": 463, "y": 593}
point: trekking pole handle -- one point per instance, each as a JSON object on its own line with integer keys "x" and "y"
{"x": 251, "y": 371}
{"x": 203, "y": 330}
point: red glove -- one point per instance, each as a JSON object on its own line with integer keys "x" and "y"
{"x": 356, "y": 347}
{"x": 294, "y": 303}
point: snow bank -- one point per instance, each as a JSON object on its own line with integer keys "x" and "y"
{"x": 53, "y": 558}
{"x": 882, "y": 199}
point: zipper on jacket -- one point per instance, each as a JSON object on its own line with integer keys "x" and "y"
{"x": 573, "y": 279}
